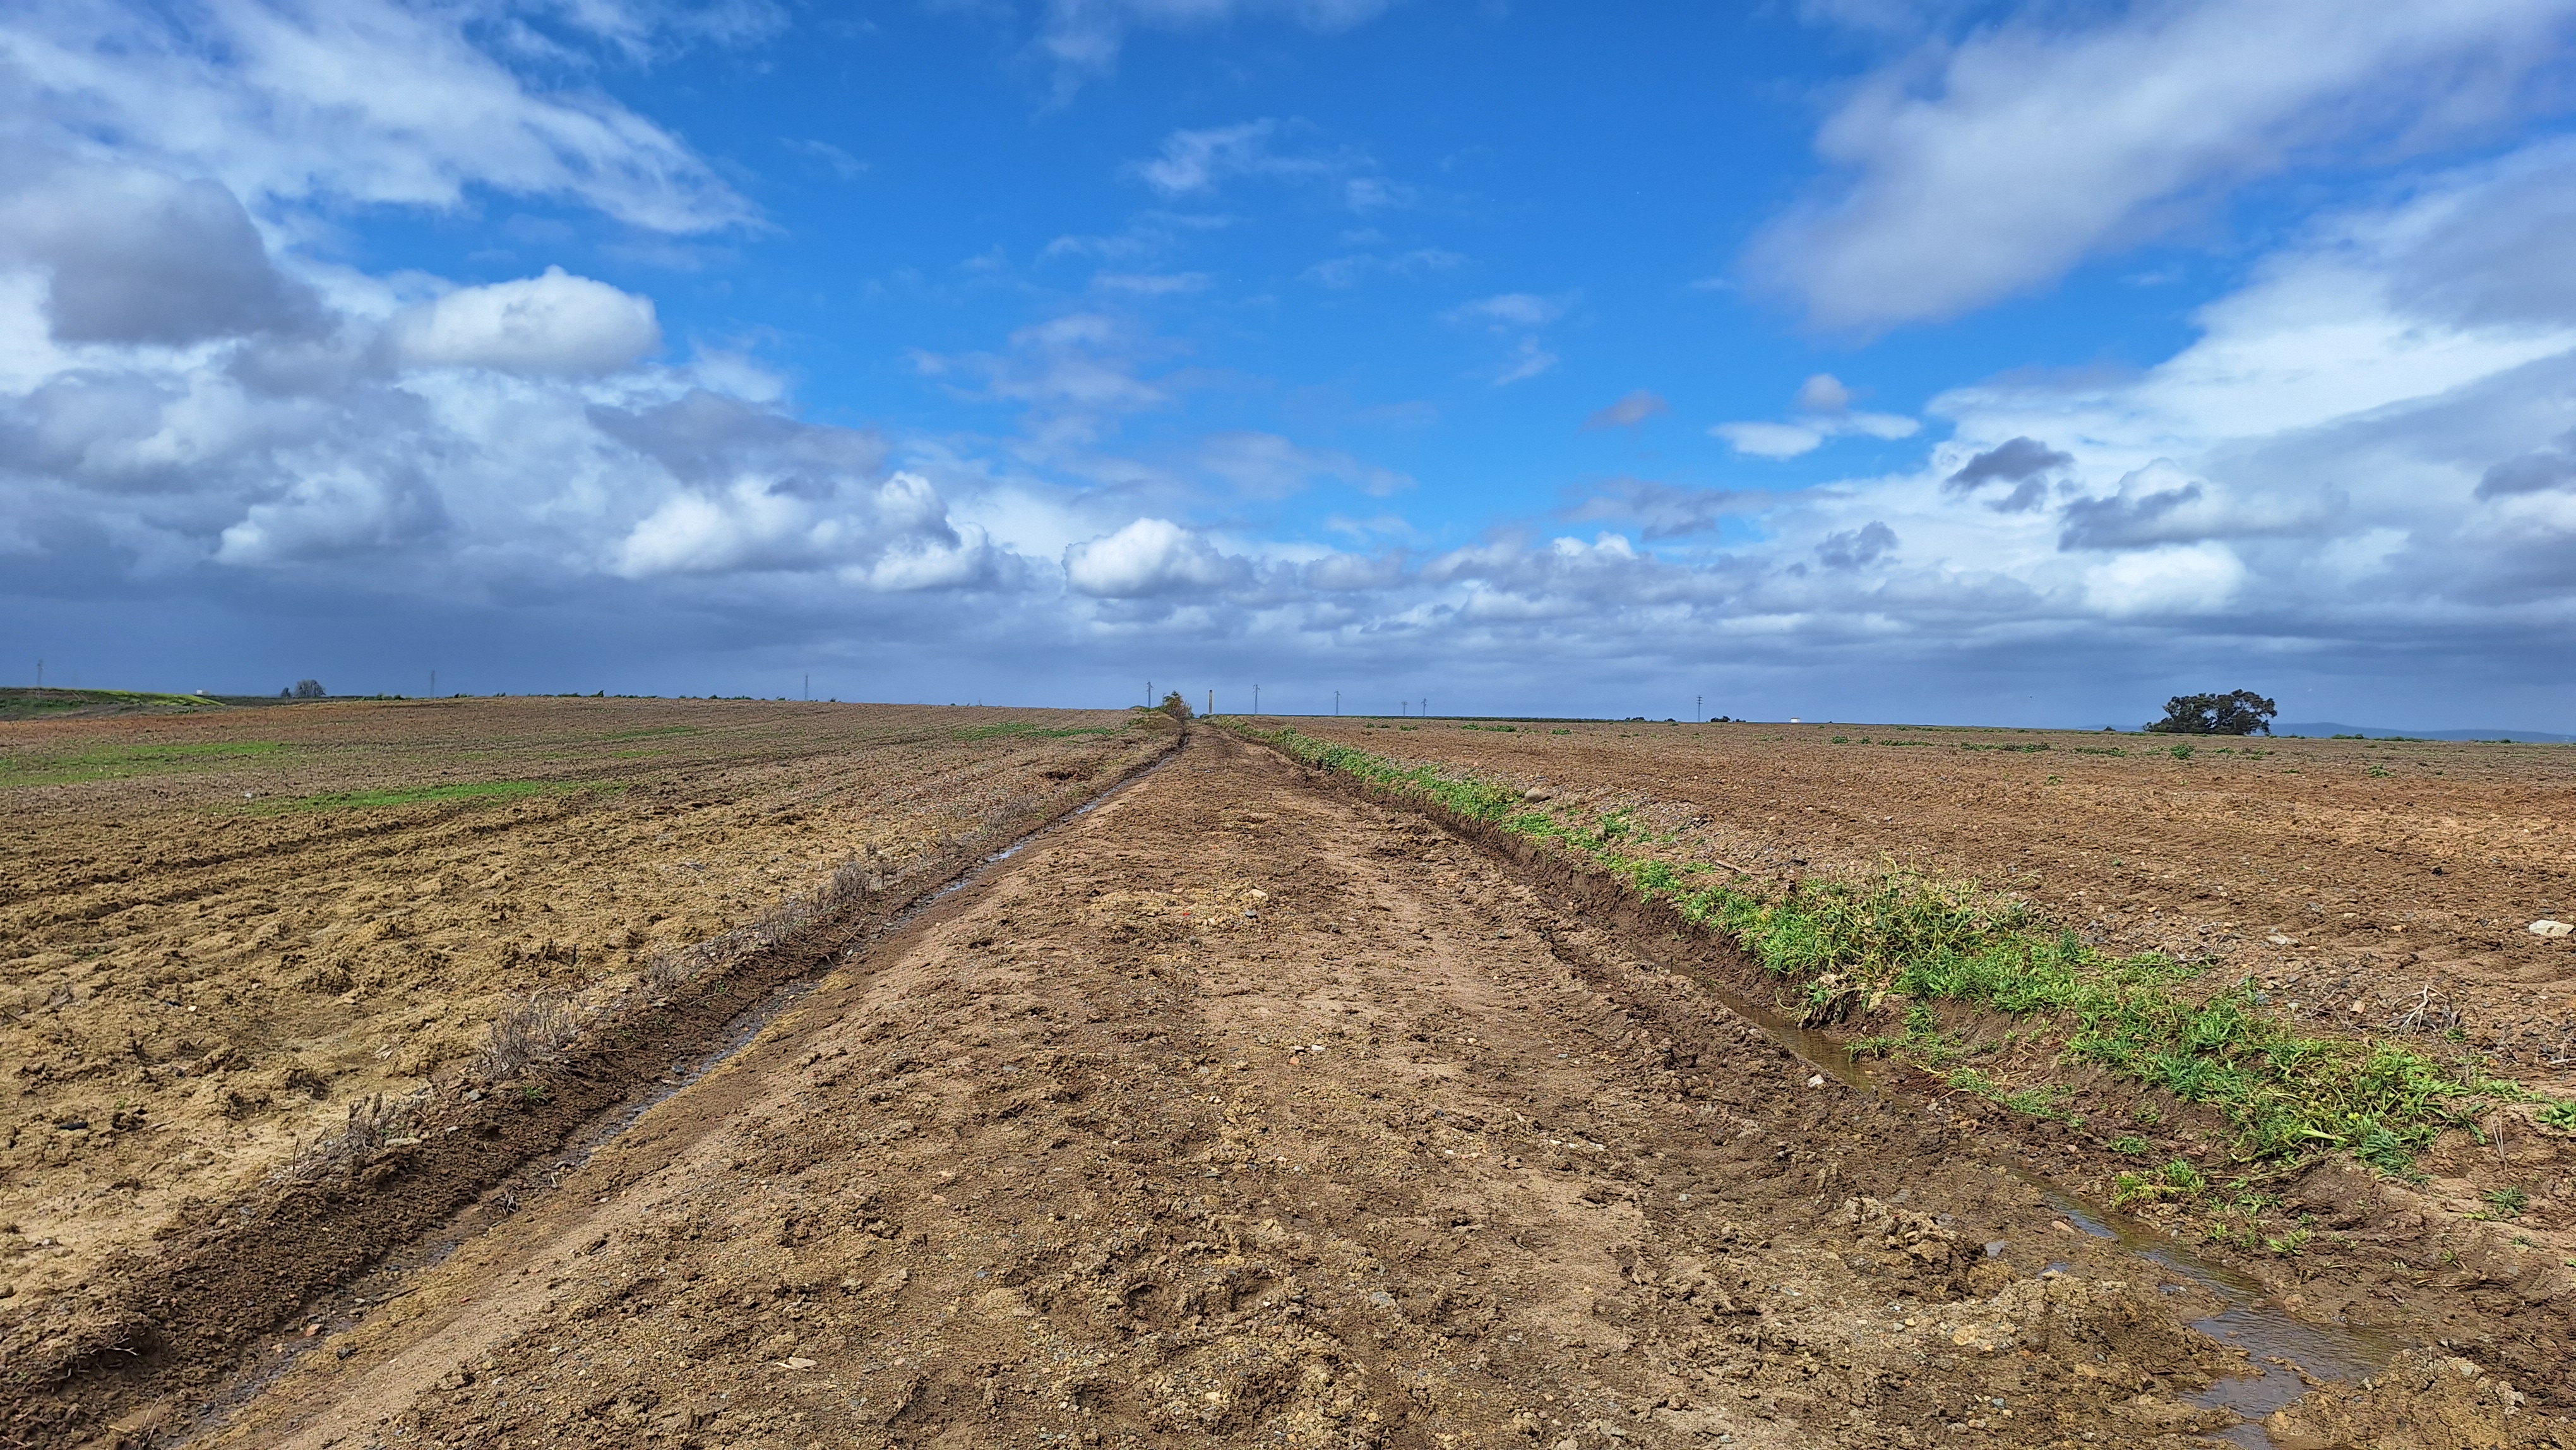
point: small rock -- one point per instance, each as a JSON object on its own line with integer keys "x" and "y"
{"x": 2279, "y": 940}
{"x": 1817, "y": 1081}
{"x": 2546, "y": 927}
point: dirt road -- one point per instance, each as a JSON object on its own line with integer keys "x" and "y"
{"x": 1243, "y": 1111}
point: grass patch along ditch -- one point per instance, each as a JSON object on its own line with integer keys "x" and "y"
{"x": 1845, "y": 948}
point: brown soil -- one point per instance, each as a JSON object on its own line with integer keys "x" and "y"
{"x": 1245, "y": 1110}
{"x": 2404, "y": 895}
{"x": 202, "y": 966}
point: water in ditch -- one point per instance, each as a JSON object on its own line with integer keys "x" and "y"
{"x": 2284, "y": 1352}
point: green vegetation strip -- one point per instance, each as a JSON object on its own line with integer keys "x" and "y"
{"x": 1851, "y": 945}
{"x": 118, "y": 762}
{"x": 457, "y": 791}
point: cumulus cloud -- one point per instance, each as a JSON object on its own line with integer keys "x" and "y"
{"x": 2015, "y": 460}
{"x": 555, "y": 323}
{"x": 133, "y": 255}
{"x": 1987, "y": 168}
{"x": 1826, "y": 412}
{"x": 1147, "y": 558}
{"x": 1629, "y": 411}
{"x": 1857, "y": 548}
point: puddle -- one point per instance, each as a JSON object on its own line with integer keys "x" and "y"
{"x": 2281, "y": 1346}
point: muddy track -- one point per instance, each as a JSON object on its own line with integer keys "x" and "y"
{"x": 184, "y": 1317}
{"x": 1239, "y": 1111}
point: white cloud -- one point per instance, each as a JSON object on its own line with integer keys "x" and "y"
{"x": 1150, "y": 557}
{"x": 1769, "y": 440}
{"x": 1827, "y": 413}
{"x": 1511, "y": 310}
{"x": 1083, "y": 37}
{"x": 555, "y": 323}
{"x": 2182, "y": 579}
{"x": 364, "y": 100}
{"x": 1991, "y": 167}
{"x": 1265, "y": 465}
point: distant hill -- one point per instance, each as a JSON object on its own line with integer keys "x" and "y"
{"x": 2321, "y": 728}
{"x": 22, "y": 703}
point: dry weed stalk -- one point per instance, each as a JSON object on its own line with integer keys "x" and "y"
{"x": 528, "y": 1030}
{"x": 374, "y": 1125}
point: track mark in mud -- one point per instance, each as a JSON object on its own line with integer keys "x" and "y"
{"x": 1239, "y": 1110}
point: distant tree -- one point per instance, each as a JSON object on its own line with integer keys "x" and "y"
{"x": 1174, "y": 706}
{"x": 2239, "y": 713}
{"x": 309, "y": 690}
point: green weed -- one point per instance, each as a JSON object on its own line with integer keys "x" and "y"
{"x": 121, "y": 762}
{"x": 2559, "y": 1115}
{"x": 2507, "y": 1202}
{"x": 2180, "y": 752}
{"x": 2131, "y": 1144}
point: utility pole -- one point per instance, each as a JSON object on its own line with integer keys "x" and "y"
{"x": 1211, "y": 709}
{"x": 1699, "y": 708}
{"x": 809, "y": 689}
{"x": 1149, "y": 694}
{"x": 1337, "y": 702}
{"x": 1426, "y": 707}
{"x": 40, "y": 674}
{"x": 1256, "y": 699}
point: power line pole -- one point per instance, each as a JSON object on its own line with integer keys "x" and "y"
{"x": 40, "y": 674}
{"x": 1256, "y": 699}
{"x": 1699, "y": 708}
{"x": 1337, "y": 702}
{"x": 1211, "y": 709}
{"x": 809, "y": 689}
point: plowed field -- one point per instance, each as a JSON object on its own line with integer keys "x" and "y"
{"x": 1251, "y": 1108}
{"x": 219, "y": 931}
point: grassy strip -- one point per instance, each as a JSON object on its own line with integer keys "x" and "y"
{"x": 119, "y": 762}
{"x": 415, "y": 795}
{"x": 1850, "y": 945}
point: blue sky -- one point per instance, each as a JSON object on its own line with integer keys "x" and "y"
{"x": 1850, "y": 360}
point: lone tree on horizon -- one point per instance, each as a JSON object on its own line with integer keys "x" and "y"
{"x": 1174, "y": 706}
{"x": 2240, "y": 713}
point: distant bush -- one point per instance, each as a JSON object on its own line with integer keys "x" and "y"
{"x": 304, "y": 690}
{"x": 1174, "y": 706}
{"x": 2241, "y": 712}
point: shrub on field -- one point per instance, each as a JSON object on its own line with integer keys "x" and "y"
{"x": 2241, "y": 712}
{"x": 304, "y": 690}
{"x": 1174, "y": 706}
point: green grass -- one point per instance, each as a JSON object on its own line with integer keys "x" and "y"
{"x": 2561, "y": 1116}
{"x": 24, "y": 703}
{"x": 421, "y": 794}
{"x": 1848, "y": 946}
{"x": 120, "y": 762}
{"x": 1032, "y": 729}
